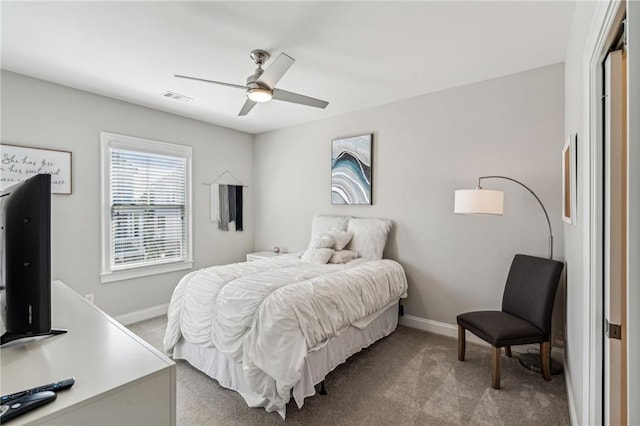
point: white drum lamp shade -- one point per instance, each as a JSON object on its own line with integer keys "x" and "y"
{"x": 479, "y": 201}
{"x": 491, "y": 202}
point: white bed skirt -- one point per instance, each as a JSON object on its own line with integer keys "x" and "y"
{"x": 319, "y": 361}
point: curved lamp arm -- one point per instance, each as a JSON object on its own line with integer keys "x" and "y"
{"x": 537, "y": 199}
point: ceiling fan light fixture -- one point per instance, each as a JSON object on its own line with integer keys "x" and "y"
{"x": 260, "y": 86}
{"x": 259, "y": 94}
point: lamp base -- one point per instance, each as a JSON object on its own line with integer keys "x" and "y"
{"x": 532, "y": 362}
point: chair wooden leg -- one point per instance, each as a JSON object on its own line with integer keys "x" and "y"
{"x": 495, "y": 367}
{"x": 507, "y": 351}
{"x": 545, "y": 357}
{"x": 461, "y": 343}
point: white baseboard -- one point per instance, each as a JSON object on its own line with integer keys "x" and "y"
{"x": 451, "y": 330}
{"x": 143, "y": 314}
{"x": 437, "y": 327}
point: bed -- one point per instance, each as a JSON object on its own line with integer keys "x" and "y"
{"x": 274, "y": 328}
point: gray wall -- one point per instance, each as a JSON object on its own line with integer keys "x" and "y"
{"x": 424, "y": 149}
{"x": 39, "y": 114}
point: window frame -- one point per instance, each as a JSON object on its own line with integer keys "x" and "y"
{"x": 109, "y": 141}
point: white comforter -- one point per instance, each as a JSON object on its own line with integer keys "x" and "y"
{"x": 269, "y": 313}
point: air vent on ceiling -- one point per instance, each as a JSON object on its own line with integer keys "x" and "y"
{"x": 177, "y": 97}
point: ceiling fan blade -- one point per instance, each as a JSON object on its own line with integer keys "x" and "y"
{"x": 276, "y": 70}
{"x": 283, "y": 95}
{"x": 237, "y": 86}
{"x": 248, "y": 105}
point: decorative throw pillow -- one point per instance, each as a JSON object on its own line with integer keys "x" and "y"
{"x": 317, "y": 255}
{"x": 343, "y": 256}
{"x": 369, "y": 236}
{"x": 324, "y": 240}
{"x": 342, "y": 238}
{"x": 323, "y": 223}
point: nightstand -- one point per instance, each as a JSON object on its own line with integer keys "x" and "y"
{"x": 261, "y": 255}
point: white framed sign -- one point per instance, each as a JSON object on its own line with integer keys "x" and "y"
{"x": 18, "y": 163}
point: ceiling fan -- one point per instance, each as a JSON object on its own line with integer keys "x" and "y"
{"x": 260, "y": 85}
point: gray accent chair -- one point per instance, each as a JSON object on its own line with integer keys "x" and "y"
{"x": 525, "y": 318}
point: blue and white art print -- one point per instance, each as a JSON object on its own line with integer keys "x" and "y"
{"x": 351, "y": 170}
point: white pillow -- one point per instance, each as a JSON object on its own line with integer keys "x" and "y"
{"x": 324, "y": 223}
{"x": 369, "y": 236}
{"x": 324, "y": 240}
{"x": 317, "y": 255}
{"x": 341, "y": 238}
{"x": 343, "y": 256}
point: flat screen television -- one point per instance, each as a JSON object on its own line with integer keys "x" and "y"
{"x": 26, "y": 259}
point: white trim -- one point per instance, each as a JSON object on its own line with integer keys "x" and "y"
{"x": 127, "y": 274}
{"x": 604, "y": 18}
{"x": 437, "y": 327}
{"x": 143, "y": 314}
{"x": 573, "y": 416}
{"x": 109, "y": 141}
{"x": 569, "y": 146}
{"x": 451, "y": 330}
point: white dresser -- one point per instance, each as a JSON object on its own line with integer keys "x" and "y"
{"x": 120, "y": 378}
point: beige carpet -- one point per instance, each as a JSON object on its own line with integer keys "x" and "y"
{"x": 409, "y": 378}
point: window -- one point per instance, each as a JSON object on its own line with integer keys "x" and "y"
{"x": 146, "y": 207}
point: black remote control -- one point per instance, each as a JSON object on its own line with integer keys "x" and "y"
{"x": 25, "y": 404}
{"x": 53, "y": 387}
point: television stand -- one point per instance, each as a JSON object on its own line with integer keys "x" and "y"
{"x": 120, "y": 378}
{"x": 10, "y": 337}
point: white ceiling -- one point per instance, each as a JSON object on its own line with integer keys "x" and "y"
{"x": 355, "y": 55}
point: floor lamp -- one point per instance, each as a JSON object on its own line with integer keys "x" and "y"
{"x": 488, "y": 201}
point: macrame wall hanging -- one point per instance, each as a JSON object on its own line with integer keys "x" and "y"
{"x": 226, "y": 201}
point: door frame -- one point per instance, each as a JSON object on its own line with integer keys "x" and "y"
{"x": 606, "y": 17}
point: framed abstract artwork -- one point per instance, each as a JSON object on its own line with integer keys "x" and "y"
{"x": 351, "y": 170}
{"x": 569, "y": 178}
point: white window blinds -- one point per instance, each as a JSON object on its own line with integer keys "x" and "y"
{"x": 148, "y": 206}
{"x": 145, "y": 214}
